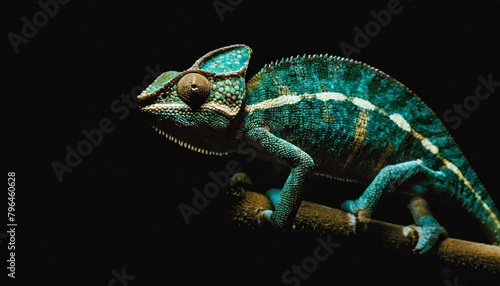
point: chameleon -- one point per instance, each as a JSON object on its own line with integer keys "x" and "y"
{"x": 321, "y": 115}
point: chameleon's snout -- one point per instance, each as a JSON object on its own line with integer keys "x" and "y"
{"x": 156, "y": 109}
{"x": 143, "y": 96}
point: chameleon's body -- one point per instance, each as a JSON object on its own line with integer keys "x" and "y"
{"x": 320, "y": 115}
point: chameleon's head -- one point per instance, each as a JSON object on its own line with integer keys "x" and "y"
{"x": 199, "y": 107}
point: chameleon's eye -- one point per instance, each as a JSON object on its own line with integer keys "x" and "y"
{"x": 193, "y": 89}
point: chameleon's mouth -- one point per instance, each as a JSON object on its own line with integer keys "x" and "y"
{"x": 187, "y": 145}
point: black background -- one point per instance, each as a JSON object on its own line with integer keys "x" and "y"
{"x": 119, "y": 207}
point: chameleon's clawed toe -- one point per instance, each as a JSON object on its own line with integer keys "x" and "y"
{"x": 264, "y": 214}
{"x": 349, "y": 206}
{"x": 428, "y": 237}
{"x": 355, "y": 207}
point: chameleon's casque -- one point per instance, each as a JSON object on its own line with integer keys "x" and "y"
{"x": 320, "y": 114}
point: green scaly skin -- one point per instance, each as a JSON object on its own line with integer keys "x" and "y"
{"x": 322, "y": 115}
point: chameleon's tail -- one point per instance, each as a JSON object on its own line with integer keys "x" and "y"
{"x": 485, "y": 211}
{"x": 482, "y": 207}
{"x": 473, "y": 196}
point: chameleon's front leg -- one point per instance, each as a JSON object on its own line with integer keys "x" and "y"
{"x": 301, "y": 165}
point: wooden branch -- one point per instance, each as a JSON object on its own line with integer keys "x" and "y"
{"x": 318, "y": 219}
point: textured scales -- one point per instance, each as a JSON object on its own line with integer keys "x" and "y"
{"x": 327, "y": 115}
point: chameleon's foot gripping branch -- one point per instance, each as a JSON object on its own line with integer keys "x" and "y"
{"x": 318, "y": 219}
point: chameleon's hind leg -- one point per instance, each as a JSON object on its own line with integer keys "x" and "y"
{"x": 428, "y": 228}
{"x": 389, "y": 179}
